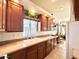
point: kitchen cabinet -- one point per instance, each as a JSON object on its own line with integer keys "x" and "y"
{"x": 37, "y": 51}
{"x": 11, "y": 16}
{"x": 43, "y": 21}
{"x": 50, "y": 23}
{"x": 46, "y": 22}
{"x": 17, "y": 55}
{"x": 41, "y": 50}
{"x": 49, "y": 46}
{"x": 31, "y": 52}
{"x": 76, "y": 9}
{"x": 14, "y": 17}
{"x": 2, "y": 14}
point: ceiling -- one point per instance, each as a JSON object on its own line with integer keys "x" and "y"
{"x": 30, "y": 5}
{"x": 51, "y": 5}
{"x": 59, "y": 8}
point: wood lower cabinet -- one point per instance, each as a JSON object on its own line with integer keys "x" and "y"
{"x": 49, "y": 46}
{"x": 17, "y": 55}
{"x": 38, "y": 51}
{"x": 41, "y": 50}
{"x": 31, "y": 52}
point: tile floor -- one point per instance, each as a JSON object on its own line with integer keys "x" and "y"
{"x": 59, "y": 52}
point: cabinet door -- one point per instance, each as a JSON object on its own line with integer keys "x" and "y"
{"x": 17, "y": 55}
{"x": 43, "y": 21}
{"x": 76, "y": 9}
{"x": 41, "y": 51}
{"x": 2, "y": 14}
{"x": 50, "y": 22}
{"x": 49, "y": 46}
{"x": 31, "y": 52}
{"x": 14, "y": 17}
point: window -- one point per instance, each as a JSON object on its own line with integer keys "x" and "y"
{"x": 30, "y": 27}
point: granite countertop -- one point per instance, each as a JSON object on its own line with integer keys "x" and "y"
{"x": 12, "y": 47}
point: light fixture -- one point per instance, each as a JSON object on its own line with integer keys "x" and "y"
{"x": 61, "y": 8}
{"x": 16, "y": 1}
{"x": 4, "y": 1}
{"x": 54, "y": 0}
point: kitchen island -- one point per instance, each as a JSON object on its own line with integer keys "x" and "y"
{"x": 35, "y": 48}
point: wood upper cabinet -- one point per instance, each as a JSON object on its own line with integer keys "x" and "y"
{"x": 14, "y": 21}
{"x": 43, "y": 21}
{"x": 46, "y": 22}
{"x": 76, "y": 9}
{"x": 2, "y": 14}
{"x": 11, "y": 16}
{"x": 50, "y": 22}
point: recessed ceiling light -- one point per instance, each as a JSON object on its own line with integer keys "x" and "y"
{"x": 54, "y": 0}
{"x": 61, "y": 8}
{"x": 16, "y": 1}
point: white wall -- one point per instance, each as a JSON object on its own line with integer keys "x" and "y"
{"x": 10, "y": 35}
{"x": 73, "y": 37}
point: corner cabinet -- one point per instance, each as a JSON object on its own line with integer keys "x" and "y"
{"x": 13, "y": 15}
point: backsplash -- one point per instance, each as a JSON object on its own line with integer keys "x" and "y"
{"x": 10, "y": 35}
{"x": 17, "y": 35}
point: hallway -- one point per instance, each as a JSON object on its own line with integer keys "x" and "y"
{"x": 58, "y": 53}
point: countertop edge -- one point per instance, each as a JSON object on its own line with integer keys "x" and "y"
{"x": 19, "y": 45}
